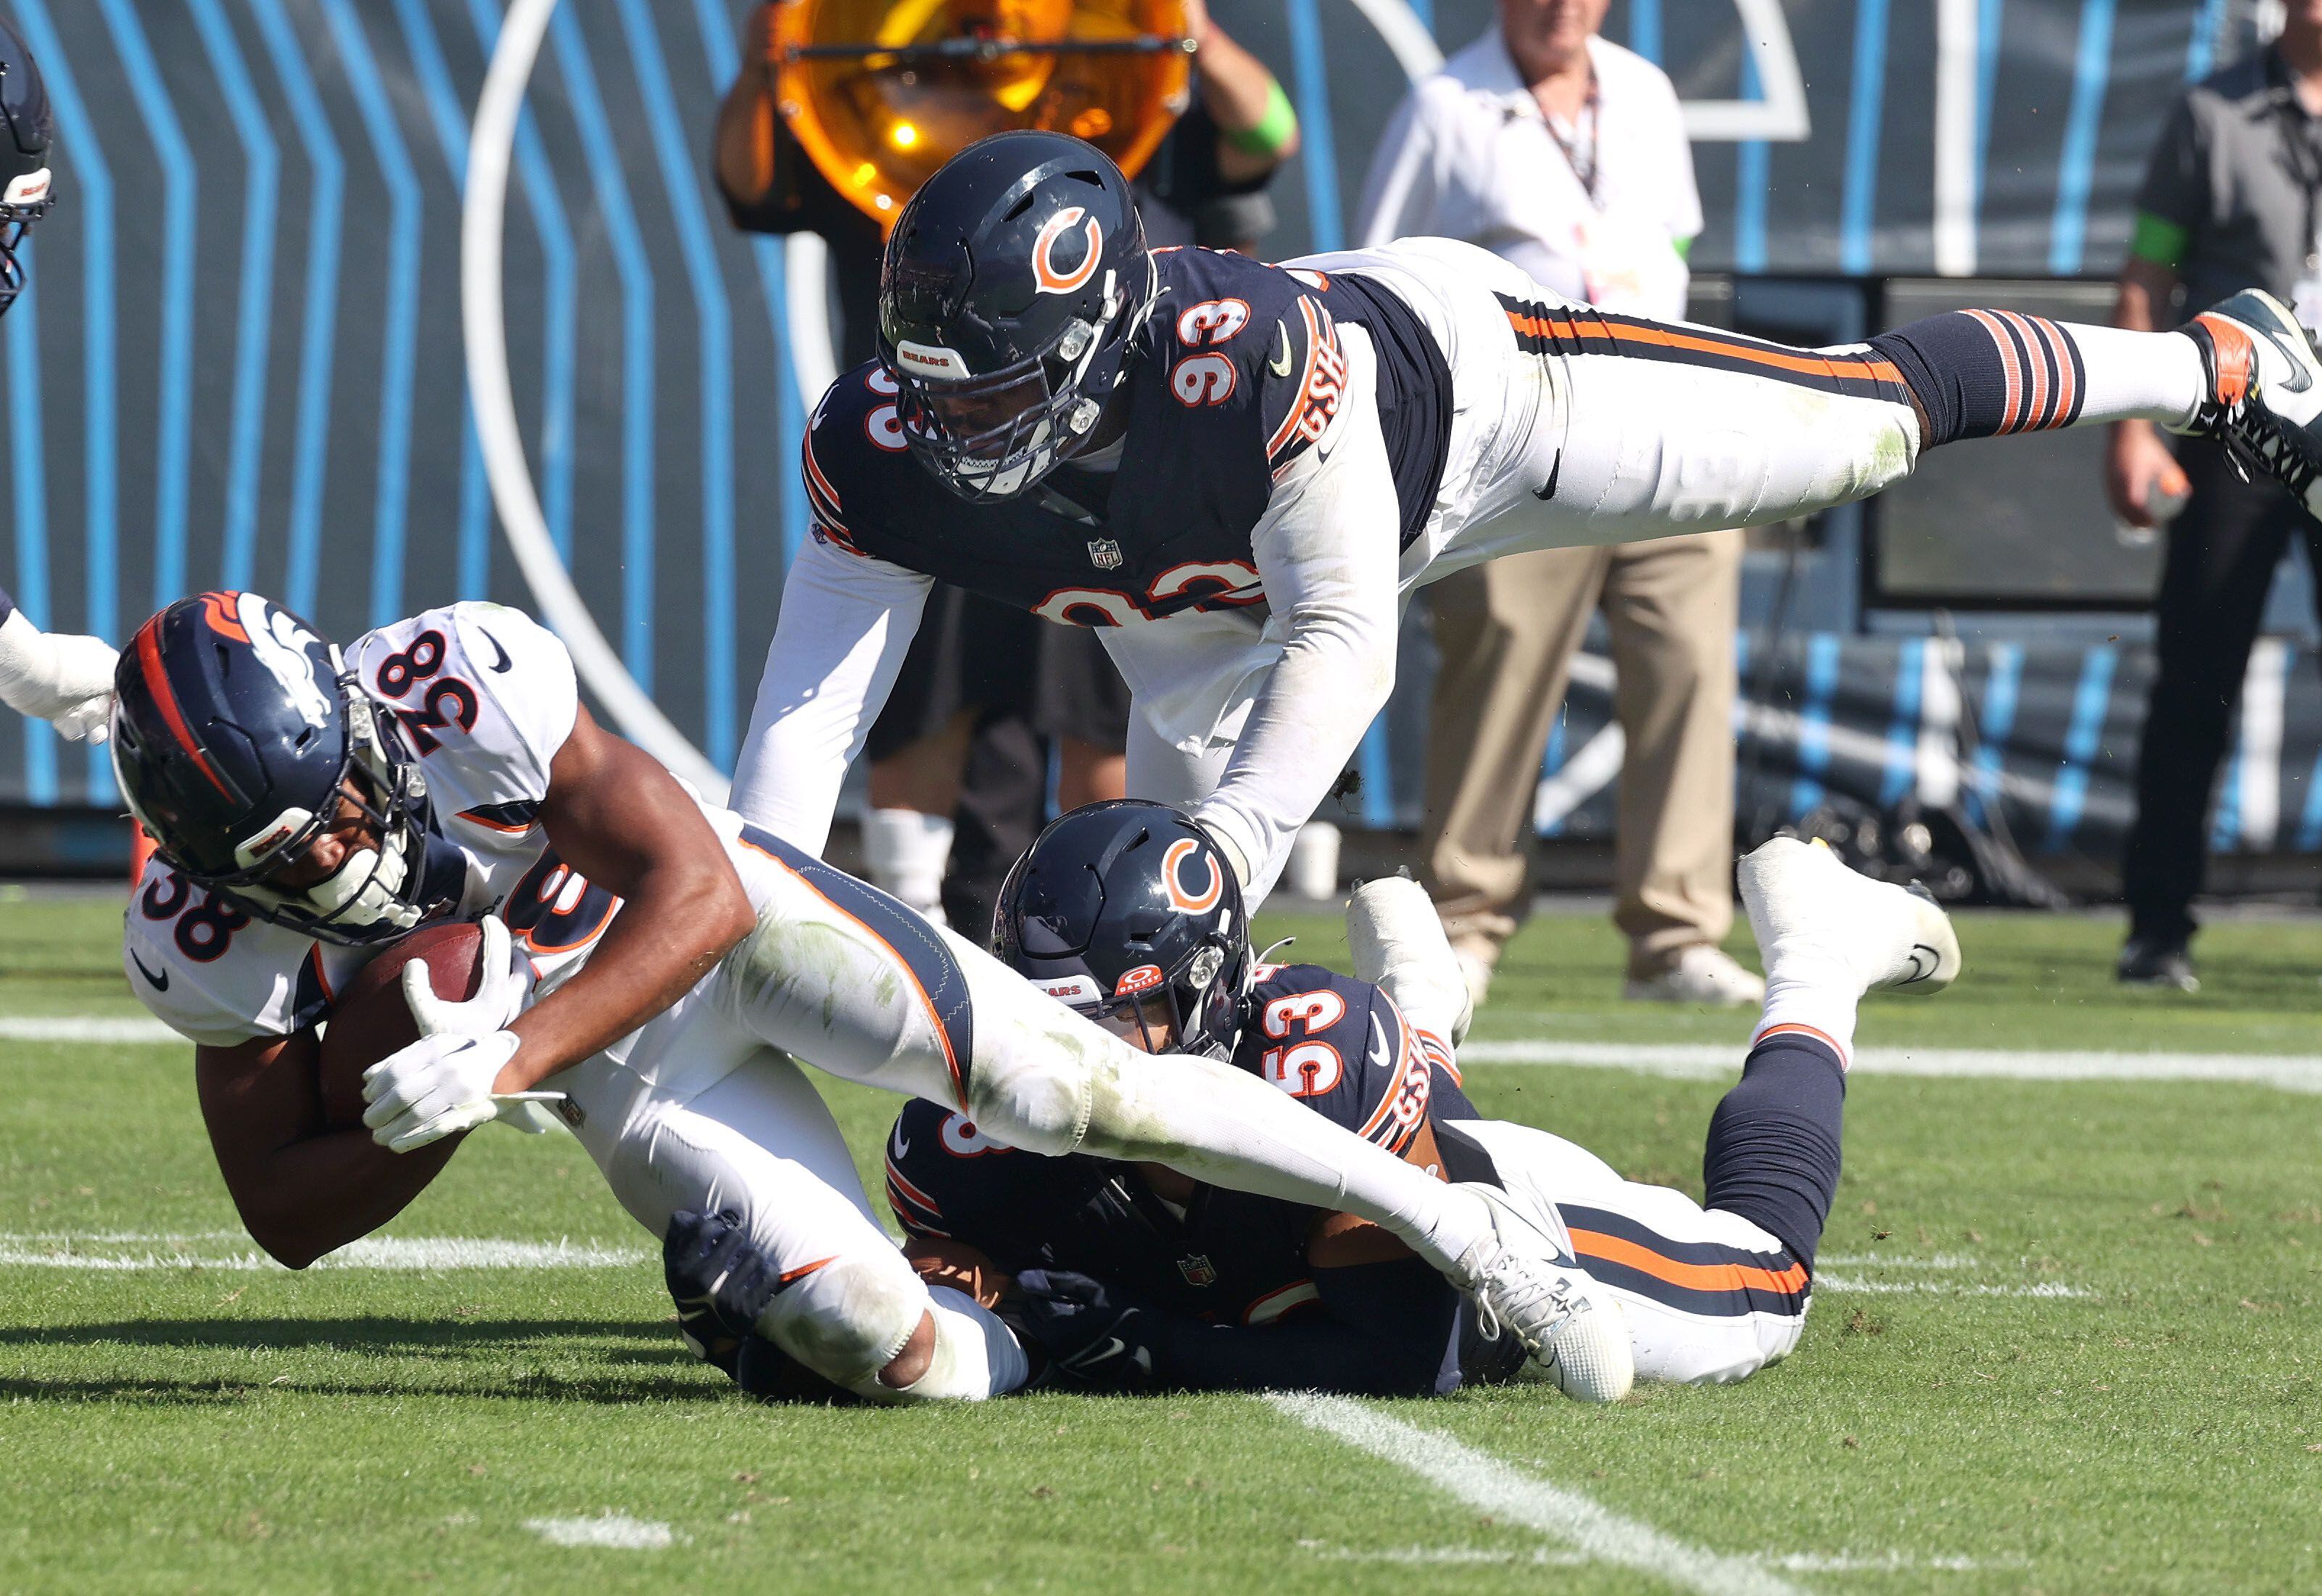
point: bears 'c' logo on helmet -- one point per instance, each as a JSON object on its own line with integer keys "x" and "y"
{"x": 1171, "y": 866}
{"x": 1052, "y": 278}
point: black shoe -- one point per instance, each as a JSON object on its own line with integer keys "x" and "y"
{"x": 2163, "y": 964}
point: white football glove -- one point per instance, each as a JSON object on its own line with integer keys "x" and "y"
{"x": 61, "y": 677}
{"x": 500, "y": 995}
{"x": 437, "y": 1087}
{"x": 1398, "y": 944}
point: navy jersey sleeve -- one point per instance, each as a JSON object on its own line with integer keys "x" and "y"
{"x": 854, "y": 433}
{"x": 1252, "y": 345}
{"x": 947, "y": 1180}
{"x": 1342, "y": 1048}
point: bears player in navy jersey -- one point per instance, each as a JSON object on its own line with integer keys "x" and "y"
{"x": 1126, "y": 1275}
{"x": 1241, "y": 471}
{"x": 661, "y": 964}
{"x": 60, "y": 677}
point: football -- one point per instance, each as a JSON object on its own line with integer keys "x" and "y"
{"x": 371, "y": 1019}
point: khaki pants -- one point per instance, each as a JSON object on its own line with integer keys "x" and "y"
{"x": 1507, "y": 631}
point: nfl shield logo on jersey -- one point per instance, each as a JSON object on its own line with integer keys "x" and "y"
{"x": 1198, "y": 1269}
{"x": 1104, "y": 553}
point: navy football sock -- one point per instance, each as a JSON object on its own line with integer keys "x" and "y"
{"x": 1981, "y": 373}
{"x": 1772, "y": 1152}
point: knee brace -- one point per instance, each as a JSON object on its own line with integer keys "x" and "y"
{"x": 1979, "y": 373}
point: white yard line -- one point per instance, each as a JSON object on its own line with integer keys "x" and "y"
{"x": 1718, "y": 1062}
{"x": 1942, "y": 1287}
{"x": 1544, "y": 1557}
{"x": 612, "y": 1530}
{"x": 83, "y": 1028}
{"x": 1512, "y": 1496}
{"x": 130, "y": 1252}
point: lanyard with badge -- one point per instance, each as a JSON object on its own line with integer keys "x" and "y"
{"x": 1627, "y": 262}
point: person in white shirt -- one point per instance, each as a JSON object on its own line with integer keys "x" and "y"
{"x": 1566, "y": 154}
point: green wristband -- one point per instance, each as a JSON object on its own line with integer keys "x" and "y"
{"x": 2159, "y": 241}
{"x": 1274, "y": 129}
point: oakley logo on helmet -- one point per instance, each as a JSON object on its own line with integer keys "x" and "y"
{"x": 1172, "y": 878}
{"x": 1145, "y": 977}
{"x": 1050, "y": 278}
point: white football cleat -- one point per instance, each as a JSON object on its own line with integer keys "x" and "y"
{"x": 2265, "y": 391}
{"x": 1809, "y": 909}
{"x": 1524, "y": 1279}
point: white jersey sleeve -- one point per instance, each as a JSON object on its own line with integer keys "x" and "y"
{"x": 485, "y": 695}
{"x": 1327, "y": 548}
{"x": 846, "y": 623}
{"x": 216, "y": 976}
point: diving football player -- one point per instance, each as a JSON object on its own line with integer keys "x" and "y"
{"x": 1241, "y": 472}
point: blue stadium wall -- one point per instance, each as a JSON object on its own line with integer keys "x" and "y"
{"x": 239, "y": 362}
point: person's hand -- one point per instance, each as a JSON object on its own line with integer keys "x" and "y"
{"x": 437, "y": 1087}
{"x": 1085, "y": 1327}
{"x": 500, "y": 995}
{"x": 2139, "y": 468}
{"x": 720, "y": 1281}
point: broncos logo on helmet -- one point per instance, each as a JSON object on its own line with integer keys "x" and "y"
{"x": 1127, "y": 912}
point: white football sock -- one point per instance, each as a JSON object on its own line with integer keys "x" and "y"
{"x": 905, "y": 853}
{"x": 1818, "y": 998}
{"x": 976, "y": 1355}
{"x": 2139, "y": 376}
{"x": 1226, "y": 1126}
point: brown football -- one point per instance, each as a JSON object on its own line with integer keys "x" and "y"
{"x": 369, "y": 1019}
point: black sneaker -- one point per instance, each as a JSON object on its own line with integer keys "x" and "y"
{"x": 2163, "y": 964}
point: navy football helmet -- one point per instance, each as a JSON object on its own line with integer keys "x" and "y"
{"x": 240, "y": 736}
{"x": 1127, "y": 912}
{"x": 26, "y": 129}
{"x": 1013, "y": 292}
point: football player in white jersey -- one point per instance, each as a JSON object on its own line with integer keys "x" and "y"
{"x": 662, "y": 964}
{"x": 1241, "y": 471}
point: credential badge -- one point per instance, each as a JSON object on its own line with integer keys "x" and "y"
{"x": 1104, "y": 553}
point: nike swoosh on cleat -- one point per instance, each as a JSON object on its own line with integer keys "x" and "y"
{"x": 1548, "y": 491}
{"x": 1280, "y": 364}
{"x": 1925, "y": 963}
{"x": 160, "y": 982}
{"x": 504, "y": 662}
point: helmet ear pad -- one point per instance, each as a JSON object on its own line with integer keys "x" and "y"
{"x": 1011, "y": 295}
{"x": 1117, "y": 904}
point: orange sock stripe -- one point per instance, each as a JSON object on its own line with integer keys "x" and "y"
{"x": 2035, "y": 409}
{"x": 2011, "y": 414}
{"x": 1791, "y": 1028}
{"x": 1693, "y": 1277}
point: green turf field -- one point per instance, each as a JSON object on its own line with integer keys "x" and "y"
{"x": 2065, "y": 1339}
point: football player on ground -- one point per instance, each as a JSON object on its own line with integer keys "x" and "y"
{"x": 1240, "y": 470}
{"x": 1129, "y": 1276}
{"x": 662, "y": 963}
{"x": 60, "y": 677}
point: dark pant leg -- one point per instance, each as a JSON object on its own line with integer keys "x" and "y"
{"x": 2223, "y": 550}
{"x": 1003, "y": 790}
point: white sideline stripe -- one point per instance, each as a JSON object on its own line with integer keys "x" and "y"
{"x": 81, "y": 1027}
{"x": 374, "y": 1252}
{"x": 1544, "y": 1557}
{"x": 612, "y": 1530}
{"x": 1944, "y": 1288}
{"x": 1511, "y": 1495}
{"x": 1718, "y": 1061}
